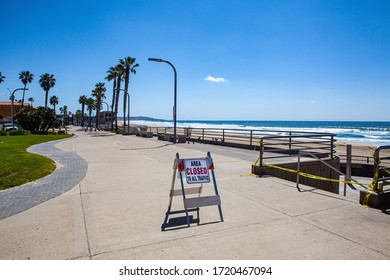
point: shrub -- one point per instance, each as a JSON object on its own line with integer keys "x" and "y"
{"x": 40, "y": 132}
{"x": 40, "y": 119}
{"x": 19, "y": 132}
{"x": 3, "y": 133}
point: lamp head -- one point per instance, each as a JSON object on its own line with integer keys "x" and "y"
{"x": 155, "y": 59}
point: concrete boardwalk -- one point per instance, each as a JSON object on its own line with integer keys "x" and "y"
{"x": 117, "y": 210}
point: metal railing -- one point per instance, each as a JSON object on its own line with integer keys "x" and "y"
{"x": 274, "y": 144}
{"x": 358, "y": 159}
{"x": 320, "y": 144}
{"x": 281, "y": 143}
{"x": 381, "y": 172}
{"x": 347, "y": 178}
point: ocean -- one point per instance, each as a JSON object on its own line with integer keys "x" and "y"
{"x": 363, "y": 132}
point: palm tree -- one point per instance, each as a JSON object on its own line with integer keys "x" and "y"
{"x": 111, "y": 76}
{"x": 98, "y": 93}
{"x": 54, "y": 102}
{"x": 26, "y": 77}
{"x": 65, "y": 113}
{"x": 78, "y": 116}
{"x": 2, "y": 78}
{"x": 129, "y": 66}
{"x": 83, "y": 101}
{"x": 62, "y": 112}
{"x": 120, "y": 70}
{"x": 31, "y": 99}
{"x": 70, "y": 120}
{"x": 47, "y": 81}
{"x": 91, "y": 106}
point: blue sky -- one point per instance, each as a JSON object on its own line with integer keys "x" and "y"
{"x": 237, "y": 59}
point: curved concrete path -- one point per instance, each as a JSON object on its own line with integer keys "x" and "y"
{"x": 71, "y": 169}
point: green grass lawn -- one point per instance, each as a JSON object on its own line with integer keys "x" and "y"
{"x": 17, "y": 166}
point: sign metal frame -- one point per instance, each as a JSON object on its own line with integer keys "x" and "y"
{"x": 193, "y": 203}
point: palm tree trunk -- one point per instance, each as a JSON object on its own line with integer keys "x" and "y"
{"x": 47, "y": 95}
{"x": 113, "y": 104}
{"x": 90, "y": 118}
{"x": 113, "y": 95}
{"x": 24, "y": 91}
{"x": 127, "y": 75}
{"x": 117, "y": 102}
{"x": 97, "y": 113}
{"x": 82, "y": 114}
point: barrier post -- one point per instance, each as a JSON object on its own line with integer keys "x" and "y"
{"x": 331, "y": 146}
{"x": 261, "y": 151}
{"x": 348, "y": 168}
{"x": 298, "y": 170}
{"x": 183, "y": 192}
{"x": 215, "y": 187}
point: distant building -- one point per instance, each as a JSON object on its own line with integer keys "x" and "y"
{"x": 106, "y": 118}
{"x": 6, "y": 110}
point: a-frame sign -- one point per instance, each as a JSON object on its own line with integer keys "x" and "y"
{"x": 195, "y": 171}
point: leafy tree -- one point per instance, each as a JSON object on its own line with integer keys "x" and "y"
{"x": 47, "y": 81}
{"x": 129, "y": 65}
{"x": 54, "y": 102}
{"x": 36, "y": 119}
{"x": 26, "y": 77}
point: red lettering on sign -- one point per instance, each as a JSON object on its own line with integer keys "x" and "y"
{"x": 196, "y": 171}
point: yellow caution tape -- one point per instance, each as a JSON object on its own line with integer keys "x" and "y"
{"x": 387, "y": 171}
{"x": 312, "y": 176}
{"x": 247, "y": 175}
{"x": 366, "y": 199}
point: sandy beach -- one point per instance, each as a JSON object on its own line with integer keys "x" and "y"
{"x": 361, "y": 153}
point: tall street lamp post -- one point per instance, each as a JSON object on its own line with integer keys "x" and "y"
{"x": 12, "y": 105}
{"x": 108, "y": 110}
{"x": 108, "y": 107}
{"x": 175, "y": 93}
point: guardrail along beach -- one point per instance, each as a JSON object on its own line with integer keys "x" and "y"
{"x": 276, "y": 141}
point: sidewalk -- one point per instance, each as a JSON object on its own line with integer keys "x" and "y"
{"x": 71, "y": 169}
{"x": 117, "y": 210}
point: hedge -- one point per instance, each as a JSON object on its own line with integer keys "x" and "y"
{"x": 19, "y": 132}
